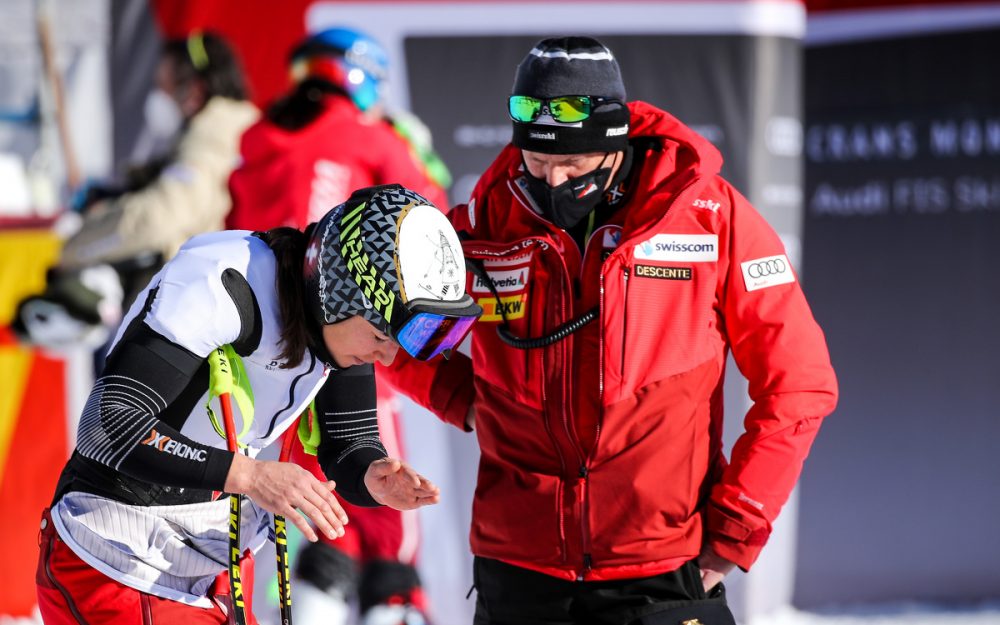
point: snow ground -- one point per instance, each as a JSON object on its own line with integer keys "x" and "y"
{"x": 897, "y": 614}
{"x": 894, "y": 614}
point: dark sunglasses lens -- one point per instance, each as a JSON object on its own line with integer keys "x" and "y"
{"x": 570, "y": 109}
{"x": 524, "y": 109}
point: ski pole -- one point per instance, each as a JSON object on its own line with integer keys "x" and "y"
{"x": 281, "y": 546}
{"x": 220, "y": 374}
{"x": 235, "y": 512}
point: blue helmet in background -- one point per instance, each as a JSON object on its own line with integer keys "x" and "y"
{"x": 347, "y": 58}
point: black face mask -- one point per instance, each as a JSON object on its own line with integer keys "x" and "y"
{"x": 566, "y": 204}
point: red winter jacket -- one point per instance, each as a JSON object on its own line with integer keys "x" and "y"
{"x": 292, "y": 178}
{"x": 601, "y": 455}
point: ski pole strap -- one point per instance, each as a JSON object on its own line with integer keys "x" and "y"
{"x": 309, "y": 430}
{"x": 226, "y": 374}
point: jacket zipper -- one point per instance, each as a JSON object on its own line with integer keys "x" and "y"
{"x": 600, "y": 374}
{"x": 584, "y": 476}
{"x": 624, "y": 319}
{"x": 600, "y": 355}
{"x": 562, "y": 521}
{"x": 566, "y": 377}
{"x": 582, "y": 482}
{"x": 562, "y": 465}
{"x": 62, "y": 589}
{"x": 571, "y": 432}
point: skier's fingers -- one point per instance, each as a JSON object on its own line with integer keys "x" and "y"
{"x": 323, "y": 518}
{"x": 300, "y": 522}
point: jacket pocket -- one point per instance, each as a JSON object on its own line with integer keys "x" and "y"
{"x": 664, "y": 320}
{"x": 511, "y": 285}
{"x": 700, "y": 612}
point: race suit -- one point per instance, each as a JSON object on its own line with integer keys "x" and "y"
{"x": 139, "y": 499}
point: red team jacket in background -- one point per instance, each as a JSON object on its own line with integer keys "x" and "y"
{"x": 601, "y": 455}
{"x": 292, "y": 178}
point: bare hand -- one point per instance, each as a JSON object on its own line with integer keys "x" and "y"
{"x": 395, "y": 484}
{"x": 283, "y": 487}
{"x": 713, "y": 568}
{"x": 470, "y": 419}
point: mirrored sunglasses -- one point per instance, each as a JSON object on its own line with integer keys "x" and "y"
{"x": 565, "y": 109}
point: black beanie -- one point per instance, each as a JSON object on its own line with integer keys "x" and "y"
{"x": 566, "y": 66}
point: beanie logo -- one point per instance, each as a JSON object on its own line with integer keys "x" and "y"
{"x": 617, "y": 132}
{"x": 548, "y": 136}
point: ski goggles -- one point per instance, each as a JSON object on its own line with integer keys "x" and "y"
{"x": 568, "y": 109}
{"x": 432, "y": 327}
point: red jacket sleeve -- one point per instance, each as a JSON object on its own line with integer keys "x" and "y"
{"x": 780, "y": 349}
{"x": 445, "y": 387}
{"x": 442, "y": 386}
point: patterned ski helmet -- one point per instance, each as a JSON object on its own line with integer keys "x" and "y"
{"x": 379, "y": 251}
{"x": 347, "y": 58}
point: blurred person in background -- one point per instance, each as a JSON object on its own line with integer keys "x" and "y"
{"x": 127, "y": 232}
{"x": 138, "y": 529}
{"x": 328, "y": 136}
{"x": 617, "y": 270}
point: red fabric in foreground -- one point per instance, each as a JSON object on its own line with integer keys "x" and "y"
{"x": 70, "y": 591}
{"x": 37, "y": 452}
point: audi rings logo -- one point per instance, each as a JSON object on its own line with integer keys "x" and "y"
{"x": 761, "y": 273}
{"x": 770, "y": 267}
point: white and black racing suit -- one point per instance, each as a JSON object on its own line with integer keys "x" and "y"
{"x": 139, "y": 498}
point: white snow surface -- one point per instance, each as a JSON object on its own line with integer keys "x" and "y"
{"x": 888, "y": 614}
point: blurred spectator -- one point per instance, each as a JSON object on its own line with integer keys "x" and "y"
{"x": 329, "y": 136}
{"x": 127, "y": 232}
{"x": 313, "y": 148}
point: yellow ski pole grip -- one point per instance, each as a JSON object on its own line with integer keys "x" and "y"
{"x": 220, "y": 373}
{"x": 227, "y": 377}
